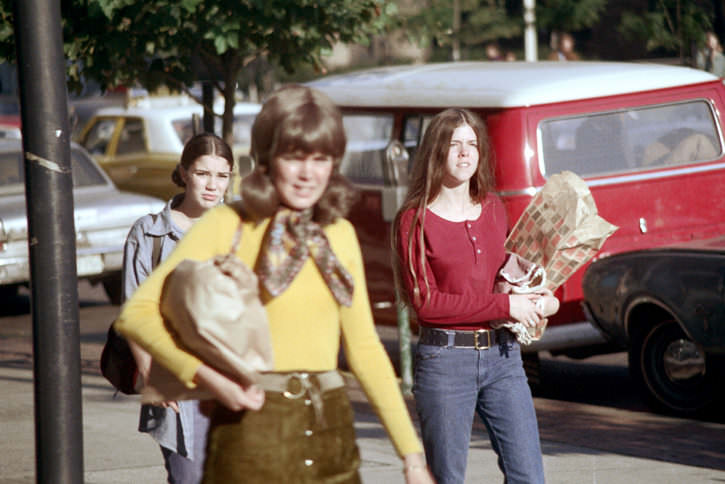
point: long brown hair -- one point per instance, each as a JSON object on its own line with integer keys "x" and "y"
{"x": 296, "y": 118}
{"x": 426, "y": 180}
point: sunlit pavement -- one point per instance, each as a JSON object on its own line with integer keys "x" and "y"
{"x": 581, "y": 442}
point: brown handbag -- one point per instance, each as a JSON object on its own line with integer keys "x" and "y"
{"x": 213, "y": 309}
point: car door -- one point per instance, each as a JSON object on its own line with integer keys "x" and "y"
{"x": 653, "y": 162}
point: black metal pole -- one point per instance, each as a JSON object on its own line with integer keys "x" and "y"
{"x": 51, "y": 241}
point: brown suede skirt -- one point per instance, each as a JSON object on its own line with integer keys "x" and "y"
{"x": 284, "y": 442}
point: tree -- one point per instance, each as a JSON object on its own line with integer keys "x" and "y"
{"x": 480, "y": 21}
{"x": 568, "y": 15}
{"x": 173, "y": 43}
{"x": 673, "y": 25}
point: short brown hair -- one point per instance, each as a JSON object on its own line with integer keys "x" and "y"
{"x": 297, "y": 118}
{"x": 199, "y": 145}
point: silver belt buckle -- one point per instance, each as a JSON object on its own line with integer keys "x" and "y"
{"x": 476, "y": 343}
{"x": 302, "y": 378}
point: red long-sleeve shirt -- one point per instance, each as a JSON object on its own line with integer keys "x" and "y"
{"x": 462, "y": 260}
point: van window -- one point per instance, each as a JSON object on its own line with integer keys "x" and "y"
{"x": 367, "y": 137}
{"x": 413, "y": 129}
{"x": 631, "y": 139}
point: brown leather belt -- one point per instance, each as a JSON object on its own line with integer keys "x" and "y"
{"x": 481, "y": 339}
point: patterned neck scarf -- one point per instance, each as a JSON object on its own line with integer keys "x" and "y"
{"x": 291, "y": 238}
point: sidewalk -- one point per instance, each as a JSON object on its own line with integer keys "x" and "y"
{"x": 577, "y": 442}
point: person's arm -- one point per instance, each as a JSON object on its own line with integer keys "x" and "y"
{"x": 441, "y": 307}
{"x": 141, "y": 320}
{"x": 137, "y": 264}
{"x": 364, "y": 351}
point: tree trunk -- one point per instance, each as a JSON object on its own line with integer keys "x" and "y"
{"x": 232, "y": 66}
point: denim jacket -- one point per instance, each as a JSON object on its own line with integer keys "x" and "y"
{"x": 171, "y": 430}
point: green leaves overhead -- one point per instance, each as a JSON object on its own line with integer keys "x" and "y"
{"x": 173, "y": 43}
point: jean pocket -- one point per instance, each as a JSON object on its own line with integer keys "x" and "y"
{"x": 427, "y": 352}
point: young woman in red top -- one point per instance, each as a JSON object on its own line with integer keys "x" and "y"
{"x": 449, "y": 237}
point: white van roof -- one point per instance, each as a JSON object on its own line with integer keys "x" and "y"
{"x": 500, "y": 84}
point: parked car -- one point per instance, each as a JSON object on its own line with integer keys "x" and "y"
{"x": 646, "y": 138}
{"x": 140, "y": 144}
{"x": 10, "y": 126}
{"x": 666, "y": 307}
{"x": 103, "y": 216}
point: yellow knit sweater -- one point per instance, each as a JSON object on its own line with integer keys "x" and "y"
{"x": 305, "y": 320}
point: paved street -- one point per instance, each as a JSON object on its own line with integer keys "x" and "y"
{"x": 593, "y": 427}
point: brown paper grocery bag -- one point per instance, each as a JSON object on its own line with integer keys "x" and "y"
{"x": 560, "y": 228}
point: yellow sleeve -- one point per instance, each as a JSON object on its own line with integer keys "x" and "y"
{"x": 140, "y": 319}
{"x": 365, "y": 353}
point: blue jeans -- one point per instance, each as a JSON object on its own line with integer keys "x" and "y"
{"x": 180, "y": 469}
{"x": 450, "y": 384}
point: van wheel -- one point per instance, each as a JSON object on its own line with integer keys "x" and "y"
{"x": 112, "y": 286}
{"x": 671, "y": 370}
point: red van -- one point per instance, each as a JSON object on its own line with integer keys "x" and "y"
{"x": 647, "y": 139}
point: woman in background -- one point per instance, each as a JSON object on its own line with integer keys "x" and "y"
{"x": 204, "y": 173}
{"x": 449, "y": 238}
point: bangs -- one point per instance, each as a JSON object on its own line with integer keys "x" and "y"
{"x": 311, "y": 130}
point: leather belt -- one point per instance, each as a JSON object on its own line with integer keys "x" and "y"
{"x": 294, "y": 385}
{"x": 481, "y": 339}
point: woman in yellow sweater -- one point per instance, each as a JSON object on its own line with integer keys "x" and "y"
{"x": 296, "y": 425}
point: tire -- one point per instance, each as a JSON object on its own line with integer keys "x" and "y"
{"x": 672, "y": 371}
{"x": 112, "y": 286}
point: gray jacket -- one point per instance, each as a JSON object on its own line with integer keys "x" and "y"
{"x": 163, "y": 424}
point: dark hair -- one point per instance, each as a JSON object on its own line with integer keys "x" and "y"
{"x": 198, "y": 146}
{"x": 297, "y": 118}
{"x": 426, "y": 179}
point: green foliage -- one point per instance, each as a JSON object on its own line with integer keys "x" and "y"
{"x": 172, "y": 43}
{"x": 672, "y": 25}
{"x": 568, "y": 15}
{"x": 480, "y": 21}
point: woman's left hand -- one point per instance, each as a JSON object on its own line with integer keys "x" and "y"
{"x": 416, "y": 471}
{"x": 228, "y": 392}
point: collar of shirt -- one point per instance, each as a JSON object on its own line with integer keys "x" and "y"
{"x": 163, "y": 225}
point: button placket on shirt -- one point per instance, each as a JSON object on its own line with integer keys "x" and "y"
{"x": 474, "y": 241}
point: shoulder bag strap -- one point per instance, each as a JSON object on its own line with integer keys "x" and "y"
{"x": 156, "y": 251}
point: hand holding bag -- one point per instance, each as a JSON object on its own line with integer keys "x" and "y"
{"x": 214, "y": 311}
{"x": 521, "y": 276}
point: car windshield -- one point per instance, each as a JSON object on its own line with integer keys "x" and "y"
{"x": 12, "y": 171}
{"x": 630, "y": 139}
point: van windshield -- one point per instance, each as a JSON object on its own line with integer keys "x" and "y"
{"x": 630, "y": 139}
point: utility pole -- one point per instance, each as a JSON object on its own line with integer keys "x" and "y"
{"x": 530, "y": 47}
{"x": 456, "y": 30}
{"x": 51, "y": 242}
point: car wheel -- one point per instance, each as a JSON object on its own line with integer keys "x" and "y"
{"x": 672, "y": 370}
{"x": 112, "y": 286}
